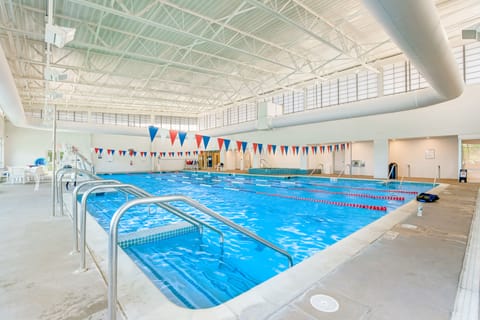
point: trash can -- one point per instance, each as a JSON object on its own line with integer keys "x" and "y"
{"x": 462, "y": 176}
{"x": 392, "y": 170}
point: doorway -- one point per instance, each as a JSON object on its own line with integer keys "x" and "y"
{"x": 208, "y": 160}
{"x": 338, "y": 161}
{"x": 471, "y": 159}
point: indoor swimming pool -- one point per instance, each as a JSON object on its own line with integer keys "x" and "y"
{"x": 301, "y": 215}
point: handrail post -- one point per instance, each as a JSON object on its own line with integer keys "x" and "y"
{"x": 75, "y": 193}
{"x": 113, "y": 239}
{"x": 83, "y": 219}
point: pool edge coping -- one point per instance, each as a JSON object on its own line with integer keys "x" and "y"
{"x": 141, "y": 299}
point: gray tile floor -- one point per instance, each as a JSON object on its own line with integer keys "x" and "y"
{"x": 410, "y": 275}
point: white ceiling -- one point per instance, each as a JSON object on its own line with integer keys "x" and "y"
{"x": 187, "y": 57}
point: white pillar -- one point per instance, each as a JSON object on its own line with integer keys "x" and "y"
{"x": 380, "y": 158}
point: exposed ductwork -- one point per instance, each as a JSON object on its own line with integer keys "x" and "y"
{"x": 413, "y": 25}
{"x": 10, "y": 101}
{"x": 416, "y": 29}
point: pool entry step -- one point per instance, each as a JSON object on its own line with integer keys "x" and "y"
{"x": 156, "y": 234}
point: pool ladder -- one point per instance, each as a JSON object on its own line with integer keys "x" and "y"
{"x": 143, "y": 198}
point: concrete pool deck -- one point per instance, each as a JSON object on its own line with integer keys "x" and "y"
{"x": 411, "y": 272}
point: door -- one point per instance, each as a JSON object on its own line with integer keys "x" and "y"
{"x": 471, "y": 159}
{"x": 339, "y": 161}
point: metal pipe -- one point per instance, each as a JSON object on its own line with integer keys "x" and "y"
{"x": 75, "y": 207}
{"x": 139, "y": 193}
{"x": 143, "y": 194}
{"x": 60, "y": 185}
{"x": 235, "y": 226}
{"x": 113, "y": 240}
{"x": 83, "y": 222}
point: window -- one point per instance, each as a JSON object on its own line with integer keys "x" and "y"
{"x": 416, "y": 79}
{"x": 329, "y": 93}
{"x": 37, "y": 114}
{"x": 367, "y": 82}
{"x": 298, "y": 101}
{"x": 394, "y": 78}
{"x": 242, "y": 113}
{"x": 288, "y": 102}
{"x": 472, "y": 63}
{"x": 251, "y": 111}
{"x": 311, "y": 97}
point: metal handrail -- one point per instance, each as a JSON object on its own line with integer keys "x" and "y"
{"x": 113, "y": 239}
{"x": 233, "y": 225}
{"x": 199, "y": 223}
{"x": 60, "y": 182}
{"x": 343, "y": 170}
{"x": 75, "y": 193}
{"x": 316, "y": 168}
{"x": 138, "y": 192}
{"x": 84, "y": 160}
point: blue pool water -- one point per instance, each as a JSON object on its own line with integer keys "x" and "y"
{"x": 301, "y": 215}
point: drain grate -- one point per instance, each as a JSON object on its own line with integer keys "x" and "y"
{"x": 324, "y": 303}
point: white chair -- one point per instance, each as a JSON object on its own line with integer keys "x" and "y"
{"x": 16, "y": 175}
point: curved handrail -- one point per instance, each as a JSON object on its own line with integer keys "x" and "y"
{"x": 113, "y": 240}
{"x": 233, "y": 225}
{"x": 143, "y": 194}
{"x": 60, "y": 181}
{"x": 137, "y": 192}
{"x": 75, "y": 193}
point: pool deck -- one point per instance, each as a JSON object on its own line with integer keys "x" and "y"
{"x": 410, "y": 272}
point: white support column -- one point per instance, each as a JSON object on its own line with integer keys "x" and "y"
{"x": 303, "y": 160}
{"x": 380, "y": 158}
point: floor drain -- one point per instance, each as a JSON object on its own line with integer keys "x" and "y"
{"x": 324, "y": 303}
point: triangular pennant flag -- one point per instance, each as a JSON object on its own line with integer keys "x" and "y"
{"x": 198, "y": 138}
{"x": 239, "y": 145}
{"x": 220, "y": 143}
{"x": 96, "y": 150}
{"x": 153, "y": 154}
{"x": 244, "y": 146}
{"x": 305, "y": 150}
{"x": 255, "y": 146}
{"x": 134, "y": 153}
{"x": 227, "y": 143}
{"x": 206, "y": 139}
{"x": 173, "y": 135}
{"x": 260, "y": 147}
{"x": 282, "y": 148}
{"x": 269, "y": 148}
{"x": 100, "y": 150}
{"x": 274, "y": 148}
{"x": 314, "y": 149}
{"x": 182, "y": 136}
{"x": 297, "y": 148}
{"x": 286, "y": 150}
{"x": 152, "y": 130}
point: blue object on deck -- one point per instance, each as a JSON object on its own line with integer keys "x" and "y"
{"x": 40, "y": 162}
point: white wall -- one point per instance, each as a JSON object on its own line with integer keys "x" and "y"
{"x": 363, "y": 151}
{"x": 23, "y": 145}
{"x": 2, "y": 142}
{"x": 425, "y": 155}
{"x": 162, "y": 142}
{"x": 454, "y": 118}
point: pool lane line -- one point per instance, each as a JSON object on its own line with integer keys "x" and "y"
{"x": 336, "y": 203}
{"x": 359, "y": 195}
{"x": 358, "y": 188}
